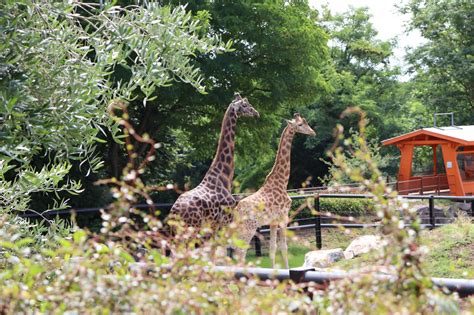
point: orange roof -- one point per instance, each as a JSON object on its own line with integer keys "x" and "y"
{"x": 463, "y": 135}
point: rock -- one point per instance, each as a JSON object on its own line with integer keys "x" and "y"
{"x": 322, "y": 258}
{"x": 442, "y": 215}
{"x": 464, "y": 206}
{"x": 361, "y": 245}
{"x": 423, "y": 210}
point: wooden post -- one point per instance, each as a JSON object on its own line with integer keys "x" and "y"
{"x": 452, "y": 170}
{"x": 406, "y": 161}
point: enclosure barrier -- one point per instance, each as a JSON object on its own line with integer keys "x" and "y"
{"x": 463, "y": 287}
{"x": 317, "y": 225}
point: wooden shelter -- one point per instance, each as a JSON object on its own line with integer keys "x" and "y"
{"x": 455, "y": 175}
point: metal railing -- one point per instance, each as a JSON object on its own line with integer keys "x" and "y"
{"x": 463, "y": 287}
{"x": 317, "y": 225}
{"x": 316, "y": 221}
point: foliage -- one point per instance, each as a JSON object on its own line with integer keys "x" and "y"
{"x": 353, "y": 143}
{"x": 124, "y": 267}
{"x": 266, "y": 36}
{"x": 402, "y": 255}
{"x": 451, "y": 250}
{"x": 299, "y": 246}
{"x": 56, "y": 79}
{"x": 337, "y": 206}
{"x": 98, "y": 273}
{"x": 64, "y": 64}
{"x": 444, "y": 75}
{"x": 357, "y": 74}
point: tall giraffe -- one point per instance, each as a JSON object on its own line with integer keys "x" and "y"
{"x": 270, "y": 204}
{"x": 211, "y": 201}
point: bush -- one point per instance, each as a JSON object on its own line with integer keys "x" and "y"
{"x": 123, "y": 269}
{"x": 338, "y": 206}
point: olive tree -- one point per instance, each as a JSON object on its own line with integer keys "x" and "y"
{"x": 57, "y": 65}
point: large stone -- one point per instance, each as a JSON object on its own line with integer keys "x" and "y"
{"x": 361, "y": 245}
{"x": 322, "y": 258}
{"x": 442, "y": 215}
{"x": 464, "y": 206}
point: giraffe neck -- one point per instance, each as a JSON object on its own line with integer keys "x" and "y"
{"x": 280, "y": 173}
{"x": 223, "y": 164}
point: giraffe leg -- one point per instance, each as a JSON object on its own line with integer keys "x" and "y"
{"x": 241, "y": 253}
{"x": 282, "y": 244}
{"x": 273, "y": 245}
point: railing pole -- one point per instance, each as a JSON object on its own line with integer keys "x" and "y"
{"x": 317, "y": 223}
{"x": 421, "y": 186}
{"x": 230, "y": 252}
{"x": 258, "y": 245}
{"x": 432, "y": 217}
{"x": 472, "y": 208}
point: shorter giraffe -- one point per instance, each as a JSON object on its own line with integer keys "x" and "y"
{"x": 270, "y": 204}
{"x": 210, "y": 203}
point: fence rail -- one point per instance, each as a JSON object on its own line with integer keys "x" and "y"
{"x": 463, "y": 287}
{"x": 315, "y": 224}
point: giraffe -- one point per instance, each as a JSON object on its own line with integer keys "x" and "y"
{"x": 270, "y": 204}
{"x": 211, "y": 201}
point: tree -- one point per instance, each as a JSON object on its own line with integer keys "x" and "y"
{"x": 443, "y": 68}
{"x": 358, "y": 74}
{"x": 278, "y": 50}
{"x": 56, "y": 63}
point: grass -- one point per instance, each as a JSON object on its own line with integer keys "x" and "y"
{"x": 450, "y": 255}
{"x": 451, "y": 251}
{"x": 297, "y": 248}
{"x": 295, "y": 257}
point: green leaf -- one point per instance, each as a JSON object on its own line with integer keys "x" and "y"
{"x": 126, "y": 256}
{"x": 79, "y": 236}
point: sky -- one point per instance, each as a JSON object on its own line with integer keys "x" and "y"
{"x": 386, "y": 19}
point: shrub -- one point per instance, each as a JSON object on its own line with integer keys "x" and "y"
{"x": 123, "y": 269}
{"x": 337, "y": 206}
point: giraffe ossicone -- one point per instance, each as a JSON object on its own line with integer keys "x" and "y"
{"x": 271, "y": 203}
{"x": 210, "y": 202}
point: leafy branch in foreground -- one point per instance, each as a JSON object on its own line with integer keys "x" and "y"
{"x": 59, "y": 65}
{"x": 123, "y": 268}
{"x": 402, "y": 255}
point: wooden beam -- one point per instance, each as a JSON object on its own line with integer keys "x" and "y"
{"x": 435, "y": 160}
{"x": 424, "y": 142}
{"x": 452, "y": 170}
{"x": 406, "y": 160}
{"x": 465, "y": 152}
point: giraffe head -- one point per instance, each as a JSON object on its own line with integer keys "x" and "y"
{"x": 300, "y": 125}
{"x": 243, "y": 107}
